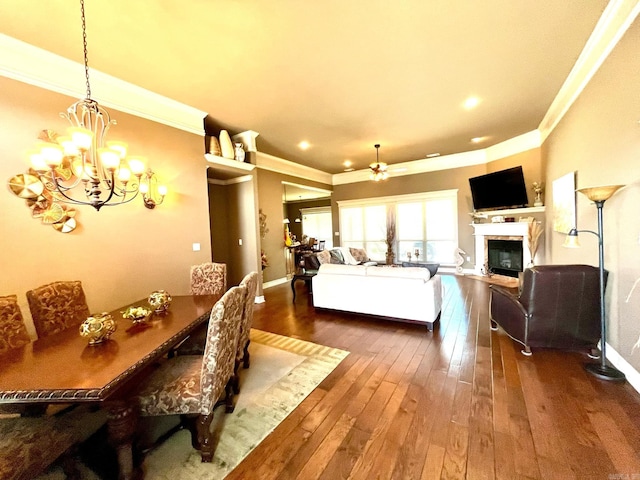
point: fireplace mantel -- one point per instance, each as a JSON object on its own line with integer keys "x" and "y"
{"x": 515, "y": 230}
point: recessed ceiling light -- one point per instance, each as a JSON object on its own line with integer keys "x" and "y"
{"x": 431, "y": 155}
{"x": 478, "y": 139}
{"x": 304, "y": 145}
{"x": 347, "y": 163}
{"x": 471, "y": 102}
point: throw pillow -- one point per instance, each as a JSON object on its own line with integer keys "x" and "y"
{"x": 348, "y": 258}
{"x": 359, "y": 254}
{"x": 432, "y": 267}
{"x": 336, "y": 256}
{"x": 324, "y": 256}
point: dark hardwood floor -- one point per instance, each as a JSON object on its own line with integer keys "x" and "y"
{"x": 461, "y": 402}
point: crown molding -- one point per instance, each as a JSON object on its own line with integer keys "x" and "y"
{"x": 515, "y": 145}
{"x": 41, "y": 68}
{"x": 286, "y": 167}
{"x": 614, "y": 22}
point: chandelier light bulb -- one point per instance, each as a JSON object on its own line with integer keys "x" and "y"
{"x": 52, "y": 154}
{"x": 81, "y": 137}
{"x": 70, "y": 148}
{"x": 118, "y": 146}
{"x": 110, "y": 159}
{"x": 124, "y": 174}
{"x": 37, "y": 162}
{"x": 137, "y": 166}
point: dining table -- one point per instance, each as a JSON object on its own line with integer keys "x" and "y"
{"x": 65, "y": 368}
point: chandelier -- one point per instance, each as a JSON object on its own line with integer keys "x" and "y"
{"x": 84, "y": 160}
{"x": 378, "y": 168}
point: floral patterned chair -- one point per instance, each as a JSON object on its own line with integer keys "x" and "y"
{"x": 28, "y": 445}
{"x": 208, "y": 278}
{"x": 250, "y": 281}
{"x": 13, "y": 333}
{"x": 57, "y": 306}
{"x": 191, "y": 385}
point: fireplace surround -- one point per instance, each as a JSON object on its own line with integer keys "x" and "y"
{"x": 508, "y": 231}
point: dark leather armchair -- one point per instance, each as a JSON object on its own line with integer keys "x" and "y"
{"x": 558, "y": 307}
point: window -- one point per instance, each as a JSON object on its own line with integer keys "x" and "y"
{"x": 316, "y": 223}
{"x": 365, "y": 227}
{"x": 425, "y": 224}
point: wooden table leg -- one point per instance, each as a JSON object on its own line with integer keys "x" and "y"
{"x": 293, "y": 288}
{"x": 122, "y": 420}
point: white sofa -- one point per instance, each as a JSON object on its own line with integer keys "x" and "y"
{"x": 408, "y": 294}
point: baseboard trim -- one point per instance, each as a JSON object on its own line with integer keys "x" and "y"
{"x": 633, "y": 376}
{"x": 273, "y": 283}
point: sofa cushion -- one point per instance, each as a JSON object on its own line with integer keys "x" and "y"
{"x": 397, "y": 272}
{"x": 335, "y": 269}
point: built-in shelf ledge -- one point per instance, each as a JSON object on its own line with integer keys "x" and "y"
{"x": 228, "y": 163}
{"x": 227, "y": 170}
{"x": 513, "y": 211}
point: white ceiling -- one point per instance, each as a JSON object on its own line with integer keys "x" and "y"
{"x": 342, "y": 75}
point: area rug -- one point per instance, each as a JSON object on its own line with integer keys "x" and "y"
{"x": 284, "y": 371}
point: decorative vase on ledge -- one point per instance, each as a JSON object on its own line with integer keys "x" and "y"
{"x": 214, "y": 147}
{"x": 238, "y": 152}
{"x": 226, "y": 145}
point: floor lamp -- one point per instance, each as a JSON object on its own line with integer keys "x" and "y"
{"x": 598, "y": 195}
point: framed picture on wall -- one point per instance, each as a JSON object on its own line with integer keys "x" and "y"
{"x": 564, "y": 203}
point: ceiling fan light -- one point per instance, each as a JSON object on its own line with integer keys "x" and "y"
{"x": 378, "y": 168}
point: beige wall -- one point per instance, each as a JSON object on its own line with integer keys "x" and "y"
{"x": 599, "y": 139}
{"x": 120, "y": 253}
{"x": 457, "y": 178}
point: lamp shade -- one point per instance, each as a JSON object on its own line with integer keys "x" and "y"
{"x": 600, "y": 194}
{"x": 571, "y": 240}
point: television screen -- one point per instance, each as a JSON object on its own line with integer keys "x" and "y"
{"x": 503, "y": 189}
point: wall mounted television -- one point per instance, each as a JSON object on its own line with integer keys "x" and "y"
{"x": 503, "y": 189}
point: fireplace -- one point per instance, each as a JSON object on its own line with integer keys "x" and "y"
{"x": 504, "y": 257}
{"x": 510, "y": 231}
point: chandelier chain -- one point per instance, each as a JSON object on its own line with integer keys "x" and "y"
{"x": 84, "y": 45}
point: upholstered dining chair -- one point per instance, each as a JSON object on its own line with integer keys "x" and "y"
{"x": 208, "y": 278}
{"x": 193, "y": 386}
{"x": 250, "y": 281}
{"x": 57, "y": 306}
{"x": 13, "y": 333}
